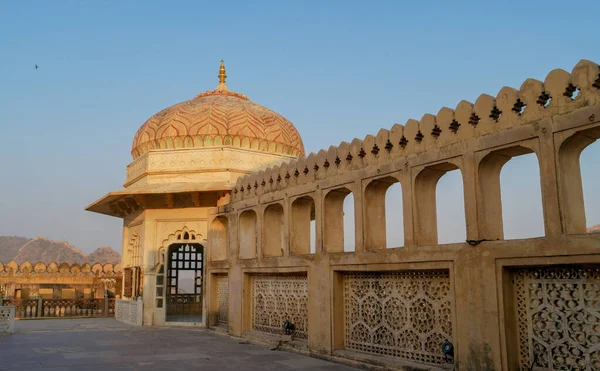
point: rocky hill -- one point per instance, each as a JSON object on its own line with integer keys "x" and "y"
{"x": 594, "y": 229}
{"x": 21, "y": 249}
{"x": 105, "y": 254}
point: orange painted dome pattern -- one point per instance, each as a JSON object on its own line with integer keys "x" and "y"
{"x": 218, "y": 118}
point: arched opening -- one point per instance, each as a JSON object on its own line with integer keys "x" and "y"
{"x": 184, "y": 282}
{"x": 522, "y": 210}
{"x": 510, "y": 203}
{"x": 338, "y": 221}
{"x": 383, "y": 214}
{"x": 439, "y": 208}
{"x": 452, "y": 227}
{"x": 247, "y": 234}
{"x": 218, "y": 240}
{"x": 349, "y": 225}
{"x": 577, "y": 163}
{"x": 273, "y": 236}
{"x": 303, "y": 226}
{"x": 591, "y": 183}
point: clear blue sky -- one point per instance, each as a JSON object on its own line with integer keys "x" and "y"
{"x": 336, "y": 69}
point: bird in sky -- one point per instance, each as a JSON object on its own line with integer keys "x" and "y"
{"x": 36, "y": 66}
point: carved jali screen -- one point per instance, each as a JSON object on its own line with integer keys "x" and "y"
{"x": 222, "y": 298}
{"x": 558, "y": 315}
{"x": 399, "y": 314}
{"x": 7, "y": 316}
{"x": 277, "y": 298}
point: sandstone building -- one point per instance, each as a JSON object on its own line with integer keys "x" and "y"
{"x": 219, "y": 187}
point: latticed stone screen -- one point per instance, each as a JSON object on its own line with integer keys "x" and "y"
{"x": 7, "y": 320}
{"x": 558, "y": 315}
{"x": 277, "y": 298}
{"x": 399, "y": 314}
{"x": 222, "y": 298}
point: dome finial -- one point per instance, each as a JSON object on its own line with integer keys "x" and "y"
{"x": 222, "y": 77}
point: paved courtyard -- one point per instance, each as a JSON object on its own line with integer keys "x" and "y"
{"x": 105, "y": 344}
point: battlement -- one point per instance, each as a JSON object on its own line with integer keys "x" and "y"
{"x": 62, "y": 269}
{"x": 535, "y": 101}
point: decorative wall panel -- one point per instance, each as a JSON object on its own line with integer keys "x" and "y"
{"x": 400, "y": 314}
{"x": 7, "y": 320}
{"x": 558, "y": 315}
{"x": 222, "y": 298}
{"x": 130, "y": 311}
{"x": 277, "y": 298}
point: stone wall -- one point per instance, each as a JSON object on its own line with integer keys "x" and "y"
{"x": 57, "y": 276}
{"x": 499, "y": 302}
{"x": 130, "y": 311}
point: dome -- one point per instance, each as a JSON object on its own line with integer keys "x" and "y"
{"x": 218, "y": 118}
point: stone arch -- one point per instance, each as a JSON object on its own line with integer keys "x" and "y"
{"x": 64, "y": 269}
{"x": 26, "y": 268}
{"x": 108, "y": 269}
{"x": 570, "y": 181}
{"x": 176, "y": 237}
{"x": 39, "y": 268}
{"x": 75, "y": 269}
{"x": 12, "y": 268}
{"x": 97, "y": 269}
{"x": 303, "y": 215}
{"x": 219, "y": 238}
{"x": 490, "y": 198}
{"x": 273, "y": 231}
{"x": 375, "y": 215}
{"x": 425, "y": 207}
{"x": 86, "y": 268}
{"x": 247, "y": 234}
{"x": 333, "y": 217}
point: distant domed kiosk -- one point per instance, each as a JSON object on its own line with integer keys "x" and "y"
{"x": 187, "y": 159}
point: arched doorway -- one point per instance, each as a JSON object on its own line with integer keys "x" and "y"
{"x": 184, "y": 282}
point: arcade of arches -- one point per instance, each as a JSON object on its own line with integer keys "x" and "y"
{"x": 242, "y": 232}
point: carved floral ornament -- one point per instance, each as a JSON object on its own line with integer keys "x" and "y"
{"x": 63, "y": 269}
{"x": 182, "y": 235}
{"x": 561, "y": 92}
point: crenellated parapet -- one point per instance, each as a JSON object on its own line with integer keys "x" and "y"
{"x": 533, "y": 103}
{"x": 60, "y": 270}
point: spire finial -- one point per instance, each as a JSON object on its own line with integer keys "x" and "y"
{"x": 222, "y": 77}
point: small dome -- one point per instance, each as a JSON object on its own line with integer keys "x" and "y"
{"x": 218, "y": 118}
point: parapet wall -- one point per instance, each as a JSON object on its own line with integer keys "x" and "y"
{"x": 62, "y": 269}
{"x": 533, "y": 103}
{"x": 392, "y": 305}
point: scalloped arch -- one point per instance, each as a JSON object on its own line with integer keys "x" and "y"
{"x": 175, "y": 237}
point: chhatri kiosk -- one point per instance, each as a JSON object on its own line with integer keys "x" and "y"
{"x": 186, "y": 159}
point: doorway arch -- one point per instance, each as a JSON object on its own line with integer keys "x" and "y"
{"x": 185, "y": 275}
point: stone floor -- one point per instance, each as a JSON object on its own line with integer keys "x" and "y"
{"x": 105, "y": 344}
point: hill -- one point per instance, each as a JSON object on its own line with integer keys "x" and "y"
{"x": 105, "y": 254}
{"x": 21, "y": 249}
{"x": 594, "y": 229}
{"x": 9, "y": 247}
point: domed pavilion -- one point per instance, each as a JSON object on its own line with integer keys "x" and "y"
{"x": 186, "y": 159}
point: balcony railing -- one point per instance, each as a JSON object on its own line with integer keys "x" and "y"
{"x": 60, "y": 308}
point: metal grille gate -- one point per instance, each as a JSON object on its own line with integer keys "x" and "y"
{"x": 184, "y": 257}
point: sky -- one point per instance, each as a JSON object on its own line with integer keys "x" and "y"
{"x": 336, "y": 69}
